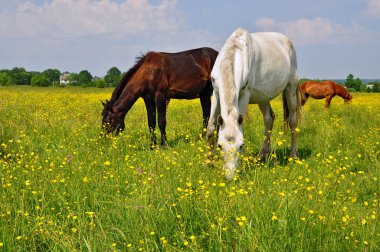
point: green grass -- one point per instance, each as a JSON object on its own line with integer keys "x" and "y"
{"x": 65, "y": 188}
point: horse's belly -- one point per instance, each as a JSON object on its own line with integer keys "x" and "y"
{"x": 186, "y": 92}
{"x": 184, "y": 95}
{"x": 318, "y": 96}
{"x": 257, "y": 96}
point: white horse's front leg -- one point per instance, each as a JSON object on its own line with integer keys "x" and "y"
{"x": 243, "y": 102}
{"x": 214, "y": 113}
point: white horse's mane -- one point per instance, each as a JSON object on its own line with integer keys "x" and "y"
{"x": 240, "y": 39}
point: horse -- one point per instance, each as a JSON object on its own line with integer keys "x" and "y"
{"x": 326, "y": 89}
{"x": 158, "y": 77}
{"x": 252, "y": 68}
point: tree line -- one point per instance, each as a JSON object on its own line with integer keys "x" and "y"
{"x": 49, "y": 77}
{"x": 355, "y": 84}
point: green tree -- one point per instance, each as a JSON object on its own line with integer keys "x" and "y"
{"x": 20, "y": 76}
{"x": 358, "y": 84}
{"x": 100, "y": 83}
{"x": 6, "y": 79}
{"x": 112, "y": 77}
{"x": 84, "y": 77}
{"x": 376, "y": 87}
{"x": 73, "y": 79}
{"x": 350, "y": 83}
{"x": 52, "y": 75}
{"x": 40, "y": 80}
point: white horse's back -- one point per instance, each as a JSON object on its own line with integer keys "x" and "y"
{"x": 273, "y": 53}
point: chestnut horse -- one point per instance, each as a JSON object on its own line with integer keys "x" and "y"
{"x": 326, "y": 89}
{"x": 156, "y": 78}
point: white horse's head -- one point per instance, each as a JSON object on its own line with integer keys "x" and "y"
{"x": 230, "y": 142}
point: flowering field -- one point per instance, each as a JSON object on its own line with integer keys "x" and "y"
{"x": 65, "y": 188}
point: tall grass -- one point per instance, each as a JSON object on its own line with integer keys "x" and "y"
{"x": 65, "y": 188}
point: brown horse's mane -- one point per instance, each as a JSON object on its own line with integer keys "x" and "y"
{"x": 127, "y": 77}
{"x": 340, "y": 88}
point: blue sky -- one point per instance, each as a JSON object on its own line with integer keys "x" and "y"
{"x": 332, "y": 37}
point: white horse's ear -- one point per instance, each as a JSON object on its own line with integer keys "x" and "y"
{"x": 220, "y": 120}
{"x": 240, "y": 119}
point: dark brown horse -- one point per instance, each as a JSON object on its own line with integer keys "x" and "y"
{"x": 326, "y": 89}
{"x": 157, "y": 77}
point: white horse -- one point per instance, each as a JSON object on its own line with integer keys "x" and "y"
{"x": 252, "y": 69}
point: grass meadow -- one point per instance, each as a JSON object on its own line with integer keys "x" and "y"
{"x": 65, "y": 188}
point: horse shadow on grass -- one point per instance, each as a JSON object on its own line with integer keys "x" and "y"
{"x": 174, "y": 142}
{"x": 281, "y": 156}
{"x": 278, "y": 157}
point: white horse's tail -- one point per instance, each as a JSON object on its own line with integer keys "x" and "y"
{"x": 285, "y": 106}
{"x": 293, "y": 81}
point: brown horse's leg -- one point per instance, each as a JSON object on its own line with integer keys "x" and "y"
{"x": 161, "y": 111}
{"x": 206, "y": 106}
{"x": 269, "y": 116}
{"x": 328, "y": 101}
{"x": 151, "y": 111}
{"x": 304, "y": 97}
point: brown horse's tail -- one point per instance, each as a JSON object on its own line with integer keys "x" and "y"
{"x": 285, "y": 106}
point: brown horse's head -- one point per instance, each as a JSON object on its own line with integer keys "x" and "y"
{"x": 342, "y": 92}
{"x": 111, "y": 121}
{"x": 346, "y": 95}
{"x": 348, "y": 98}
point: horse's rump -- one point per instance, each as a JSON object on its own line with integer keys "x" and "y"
{"x": 317, "y": 90}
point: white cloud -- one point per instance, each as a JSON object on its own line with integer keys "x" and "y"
{"x": 78, "y": 18}
{"x": 314, "y": 31}
{"x": 374, "y": 7}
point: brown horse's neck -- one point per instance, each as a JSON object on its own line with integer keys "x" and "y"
{"x": 128, "y": 97}
{"x": 341, "y": 91}
{"x": 126, "y": 78}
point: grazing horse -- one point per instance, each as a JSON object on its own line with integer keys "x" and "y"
{"x": 157, "y": 77}
{"x": 326, "y": 89}
{"x": 252, "y": 68}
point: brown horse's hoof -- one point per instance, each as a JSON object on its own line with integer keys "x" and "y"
{"x": 263, "y": 157}
{"x": 264, "y": 154}
{"x": 293, "y": 157}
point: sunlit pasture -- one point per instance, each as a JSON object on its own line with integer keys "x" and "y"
{"x": 64, "y": 187}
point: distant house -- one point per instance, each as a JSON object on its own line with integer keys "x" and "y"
{"x": 64, "y": 78}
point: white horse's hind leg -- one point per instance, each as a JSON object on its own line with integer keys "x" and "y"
{"x": 292, "y": 102}
{"x": 268, "y": 115}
